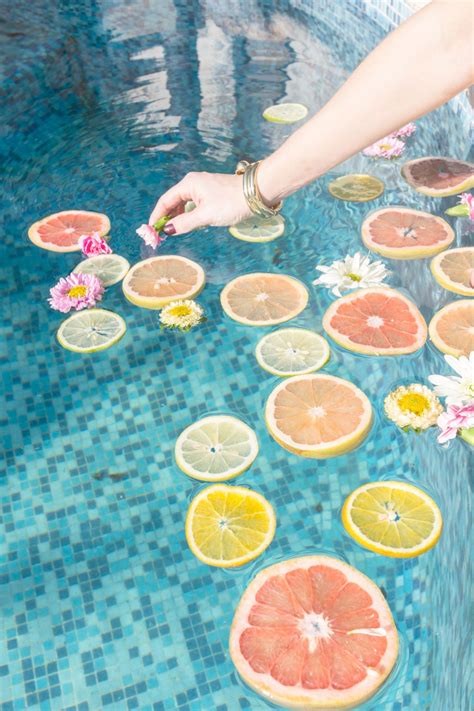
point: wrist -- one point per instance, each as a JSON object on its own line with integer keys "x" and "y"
{"x": 269, "y": 184}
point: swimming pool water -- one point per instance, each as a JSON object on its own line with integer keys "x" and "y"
{"x": 103, "y": 606}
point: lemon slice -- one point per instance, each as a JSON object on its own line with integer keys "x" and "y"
{"x": 227, "y": 526}
{"x": 259, "y": 229}
{"x": 292, "y": 351}
{"x": 216, "y": 448}
{"x": 90, "y": 331}
{"x": 392, "y": 518}
{"x": 110, "y": 268}
{"x": 285, "y": 113}
{"x": 356, "y": 188}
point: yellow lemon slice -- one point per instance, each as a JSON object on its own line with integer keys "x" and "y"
{"x": 109, "y": 268}
{"x": 285, "y": 113}
{"x": 392, "y": 518}
{"x": 356, "y": 188}
{"x": 91, "y": 330}
{"x": 292, "y": 351}
{"x": 259, "y": 229}
{"x": 227, "y": 526}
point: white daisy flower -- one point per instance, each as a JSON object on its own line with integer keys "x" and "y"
{"x": 356, "y": 272}
{"x": 413, "y": 407}
{"x": 457, "y": 389}
{"x": 182, "y": 314}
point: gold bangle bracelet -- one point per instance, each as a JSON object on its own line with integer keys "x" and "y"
{"x": 251, "y": 192}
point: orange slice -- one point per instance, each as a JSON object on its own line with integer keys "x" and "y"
{"x": 262, "y": 299}
{"x": 454, "y": 270}
{"x": 452, "y": 328}
{"x": 155, "y": 282}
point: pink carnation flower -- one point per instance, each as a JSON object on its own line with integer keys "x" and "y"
{"x": 77, "y": 291}
{"x": 405, "y": 131}
{"x": 94, "y": 244}
{"x": 456, "y": 417}
{"x": 388, "y": 147}
{"x": 150, "y": 236}
{"x": 468, "y": 199}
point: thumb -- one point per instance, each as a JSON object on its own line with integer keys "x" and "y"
{"x": 187, "y": 221}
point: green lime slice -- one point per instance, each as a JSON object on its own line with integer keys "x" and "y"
{"x": 91, "y": 330}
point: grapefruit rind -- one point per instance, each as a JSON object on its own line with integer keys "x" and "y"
{"x": 439, "y": 342}
{"x": 343, "y": 341}
{"x": 336, "y": 447}
{"x": 322, "y": 699}
{"x": 34, "y": 236}
{"x": 157, "y": 302}
{"x": 358, "y": 535}
{"x": 444, "y": 280}
{"x": 409, "y": 252}
{"x": 464, "y": 185}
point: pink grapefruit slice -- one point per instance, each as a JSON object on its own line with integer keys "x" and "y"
{"x": 452, "y": 328}
{"x": 403, "y": 233}
{"x": 454, "y": 270}
{"x": 313, "y": 633}
{"x": 61, "y": 232}
{"x": 318, "y": 415}
{"x": 155, "y": 282}
{"x": 376, "y": 321}
{"x": 438, "y": 176}
{"x": 262, "y": 299}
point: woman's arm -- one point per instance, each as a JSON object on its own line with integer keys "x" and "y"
{"x": 418, "y": 67}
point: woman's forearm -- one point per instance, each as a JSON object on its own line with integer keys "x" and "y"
{"x": 418, "y": 67}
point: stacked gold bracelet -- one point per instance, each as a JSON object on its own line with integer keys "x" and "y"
{"x": 251, "y": 191}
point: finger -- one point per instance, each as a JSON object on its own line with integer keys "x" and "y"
{"x": 170, "y": 201}
{"x": 186, "y": 222}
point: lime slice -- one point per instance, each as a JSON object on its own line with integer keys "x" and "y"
{"x": 285, "y": 113}
{"x": 90, "y": 331}
{"x": 259, "y": 229}
{"x": 216, "y": 448}
{"x": 292, "y": 351}
{"x": 110, "y": 268}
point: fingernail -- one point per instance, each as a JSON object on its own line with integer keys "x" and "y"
{"x": 169, "y": 230}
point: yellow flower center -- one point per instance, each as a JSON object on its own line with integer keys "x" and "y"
{"x": 413, "y": 402}
{"x": 354, "y": 277}
{"x": 180, "y": 311}
{"x": 77, "y": 291}
{"x": 385, "y": 146}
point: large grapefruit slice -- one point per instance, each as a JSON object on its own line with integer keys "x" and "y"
{"x": 403, "y": 233}
{"x": 313, "y": 633}
{"x": 318, "y": 415}
{"x": 454, "y": 270}
{"x": 261, "y": 299}
{"x": 157, "y": 281}
{"x": 452, "y": 328}
{"x": 61, "y": 232}
{"x": 376, "y": 321}
{"x": 438, "y": 176}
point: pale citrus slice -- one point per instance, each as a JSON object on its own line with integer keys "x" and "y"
{"x": 356, "y": 188}
{"x": 227, "y": 526}
{"x": 403, "y": 233}
{"x": 313, "y": 633}
{"x": 155, "y": 282}
{"x": 91, "y": 330}
{"x": 392, "y": 518}
{"x": 285, "y": 113}
{"x": 438, "y": 176}
{"x": 318, "y": 415}
{"x": 454, "y": 270}
{"x": 61, "y": 232}
{"x": 259, "y": 229}
{"x": 452, "y": 328}
{"x": 376, "y": 321}
{"x": 110, "y": 268}
{"x": 262, "y": 299}
{"x": 292, "y": 351}
{"x": 216, "y": 448}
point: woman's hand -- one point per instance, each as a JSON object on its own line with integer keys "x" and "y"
{"x": 218, "y": 197}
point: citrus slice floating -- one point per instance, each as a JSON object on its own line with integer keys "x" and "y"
{"x": 403, "y": 233}
{"x": 262, "y": 299}
{"x": 227, "y": 526}
{"x": 110, "y": 268}
{"x": 318, "y": 415}
{"x": 285, "y": 113}
{"x": 438, "y": 176}
{"x": 155, "y": 282}
{"x": 452, "y": 328}
{"x": 216, "y": 448}
{"x": 454, "y": 270}
{"x": 392, "y": 518}
{"x": 259, "y": 229}
{"x": 292, "y": 351}
{"x": 313, "y": 633}
{"x": 356, "y": 188}
{"x": 90, "y": 331}
{"x": 61, "y": 232}
{"x": 377, "y": 321}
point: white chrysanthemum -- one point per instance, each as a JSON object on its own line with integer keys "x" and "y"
{"x": 357, "y": 272}
{"x": 414, "y": 406}
{"x": 457, "y": 389}
{"x": 183, "y": 314}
